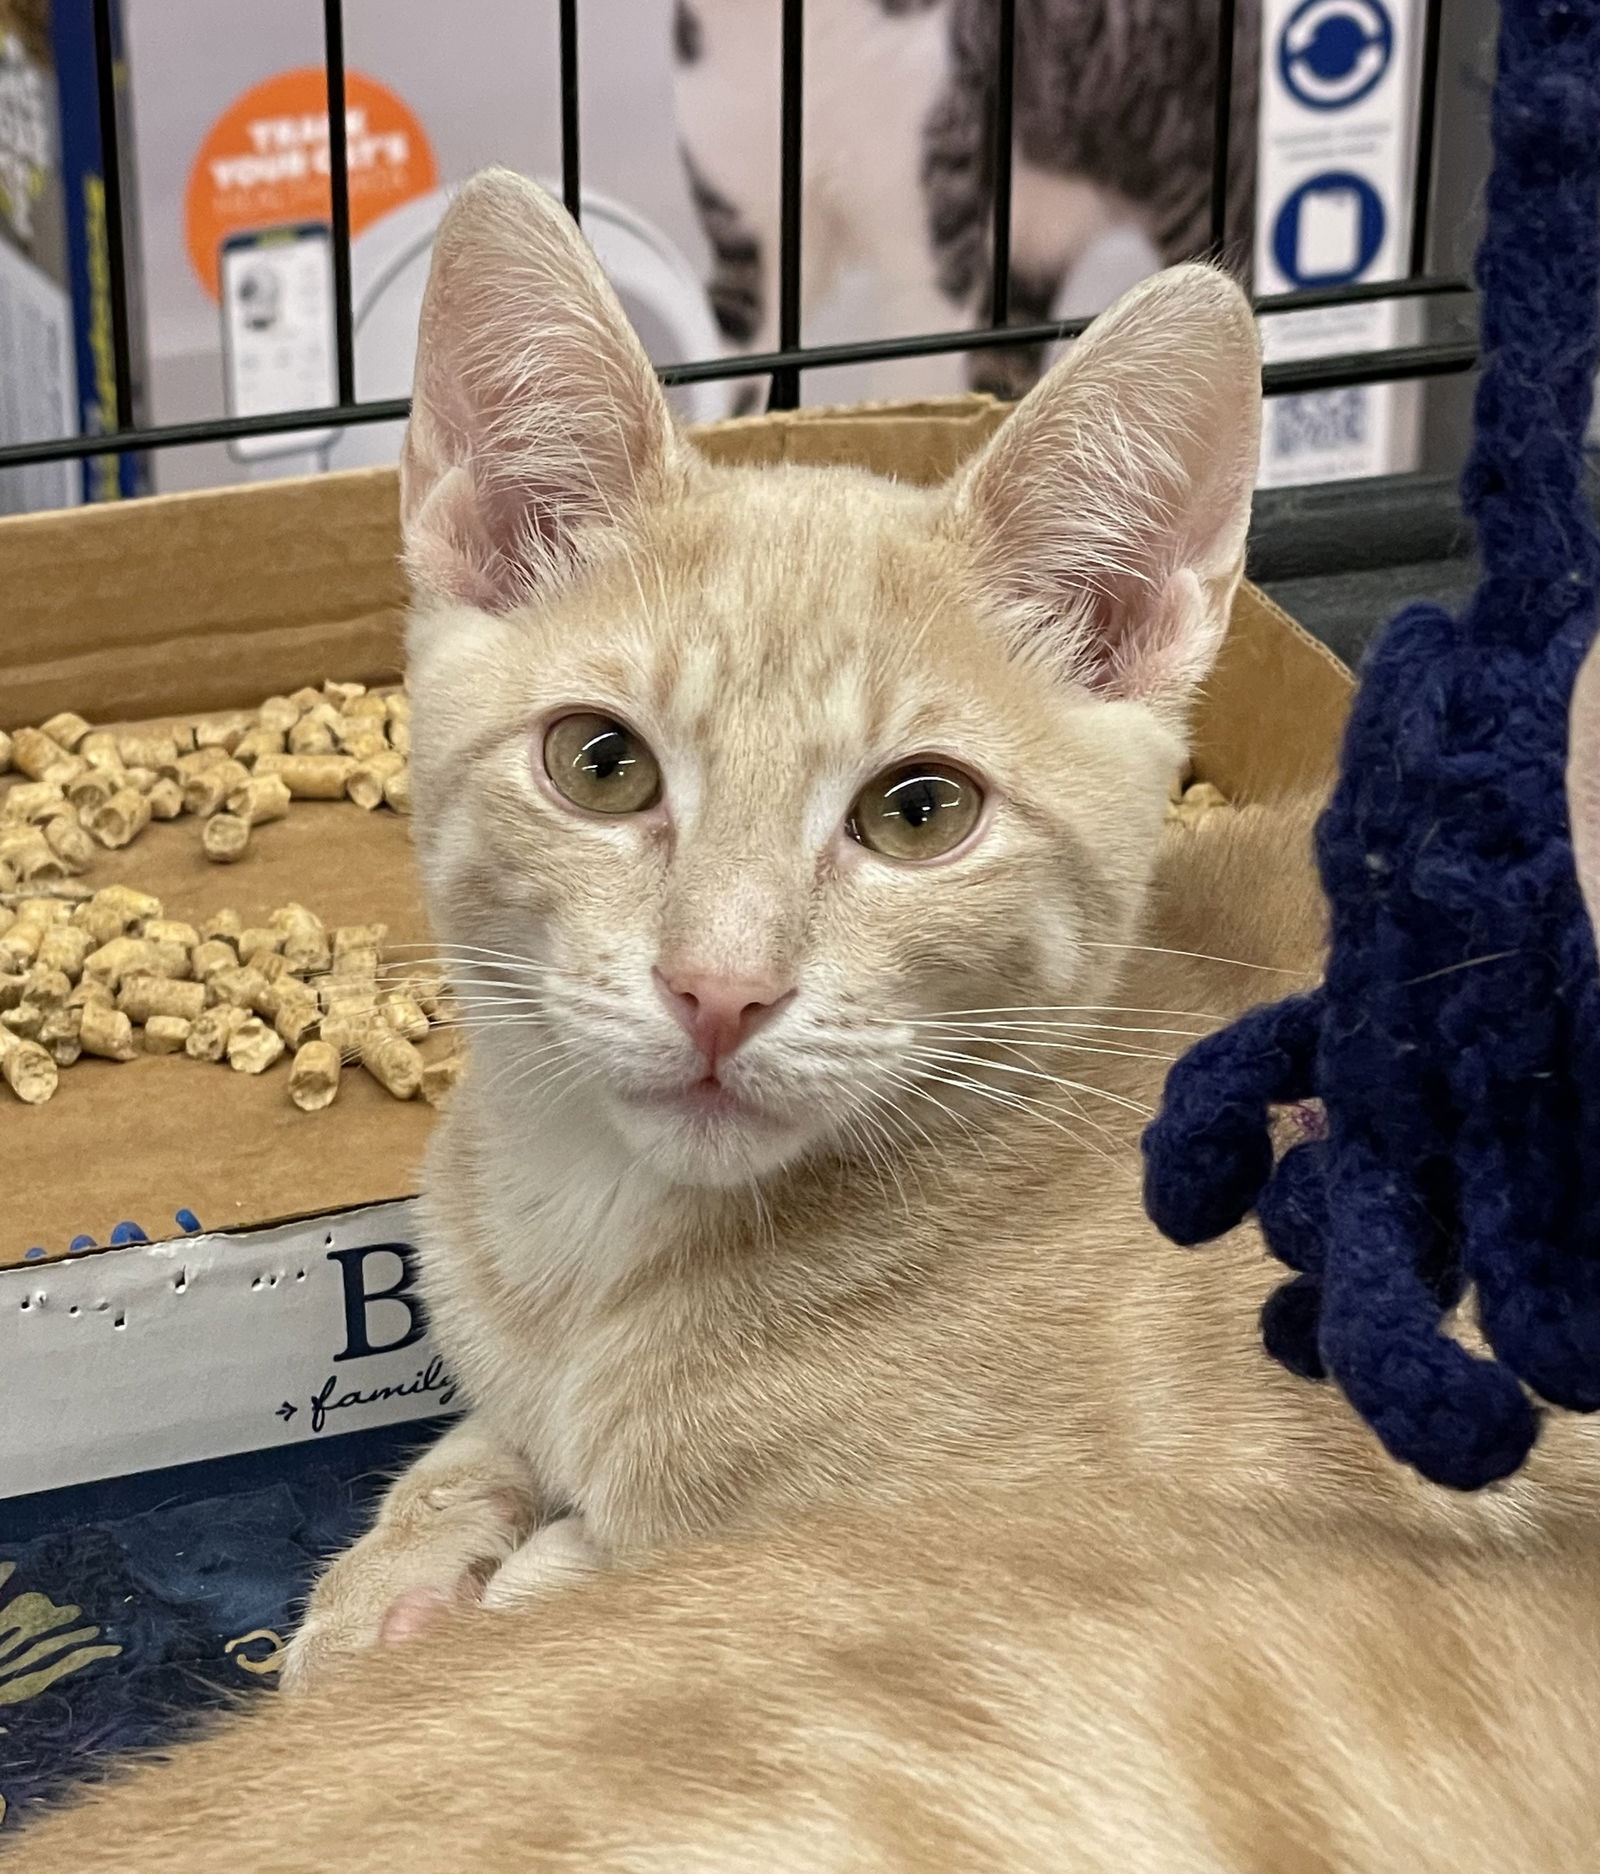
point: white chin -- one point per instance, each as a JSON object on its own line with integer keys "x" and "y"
{"x": 712, "y": 1153}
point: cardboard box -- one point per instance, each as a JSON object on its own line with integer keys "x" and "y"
{"x": 189, "y": 1266}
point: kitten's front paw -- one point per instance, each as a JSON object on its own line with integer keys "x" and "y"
{"x": 444, "y": 1529}
{"x": 356, "y": 1614}
{"x": 552, "y": 1557}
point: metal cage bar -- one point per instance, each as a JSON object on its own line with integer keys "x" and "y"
{"x": 1427, "y": 134}
{"x": 344, "y": 332}
{"x": 1222, "y": 127}
{"x": 785, "y": 365}
{"x": 785, "y": 390}
{"x": 1005, "y": 81}
{"x": 105, "y": 60}
{"x": 1371, "y": 367}
{"x": 571, "y": 148}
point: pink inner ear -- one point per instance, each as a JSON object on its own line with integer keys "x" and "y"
{"x": 535, "y": 413}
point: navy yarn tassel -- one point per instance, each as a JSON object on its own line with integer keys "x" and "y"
{"x": 1455, "y": 1042}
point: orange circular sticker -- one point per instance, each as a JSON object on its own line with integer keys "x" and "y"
{"x": 264, "y": 162}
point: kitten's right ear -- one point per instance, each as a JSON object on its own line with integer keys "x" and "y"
{"x": 1109, "y": 512}
{"x": 535, "y": 415}
{"x": 1583, "y": 780}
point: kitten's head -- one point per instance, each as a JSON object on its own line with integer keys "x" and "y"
{"x": 728, "y": 777}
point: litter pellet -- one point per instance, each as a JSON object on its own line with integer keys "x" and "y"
{"x": 166, "y": 799}
{"x": 306, "y": 947}
{"x": 142, "y": 997}
{"x": 256, "y": 742}
{"x": 225, "y": 730}
{"x": 347, "y": 1030}
{"x": 360, "y": 736}
{"x": 64, "y": 947}
{"x": 99, "y": 747}
{"x": 26, "y": 1068}
{"x": 199, "y": 760}
{"x": 311, "y": 735}
{"x": 26, "y": 1019}
{"x": 205, "y": 790}
{"x": 366, "y": 780}
{"x": 342, "y": 694}
{"x": 30, "y": 855}
{"x": 93, "y": 788}
{"x": 32, "y": 752}
{"x": 205, "y": 959}
{"x": 169, "y": 930}
{"x": 67, "y": 728}
{"x": 278, "y": 714}
{"x": 122, "y": 819}
{"x": 165, "y": 1034}
{"x": 263, "y": 797}
{"x": 310, "y": 777}
{"x": 68, "y": 841}
{"x": 296, "y": 1015}
{"x": 227, "y": 924}
{"x": 258, "y": 940}
{"x": 46, "y": 987}
{"x": 106, "y": 1032}
{"x": 253, "y": 1047}
{"x": 358, "y": 941}
{"x": 209, "y": 1037}
{"x": 224, "y": 838}
{"x": 403, "y": 1014}
{"x": 150, "y": 750}
{"x": 439, "y": 1076}
{"x": 308, "y": 696}
{"x": 392, "y": 1061}
{"x": 132, "y": 904}
{"x": 348, "y": 995}
{"x": 60, "y": 1035}
{"x": 32, "y": 801}
{"x": 241, "y": 985}
{"x": 314, "y": 1076}
{"x": 131, "y": 956}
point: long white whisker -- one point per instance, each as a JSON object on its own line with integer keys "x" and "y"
{"x": 1199, "y": 956}
{"x": 1032, "y": 1073}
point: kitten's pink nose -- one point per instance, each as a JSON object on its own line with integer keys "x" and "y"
{"x": 719, "y": 1013}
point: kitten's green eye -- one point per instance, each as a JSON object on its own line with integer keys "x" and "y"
{"x": 601, "y": 766}
{"x": 920, "y": 811}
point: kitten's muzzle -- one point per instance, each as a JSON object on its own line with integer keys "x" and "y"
{"x": 719, "y": 1013}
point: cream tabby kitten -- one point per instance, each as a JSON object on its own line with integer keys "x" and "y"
{"x": 883, "y": 1493}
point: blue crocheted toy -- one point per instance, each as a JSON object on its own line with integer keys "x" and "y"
{"x": 1455, "y": 1041}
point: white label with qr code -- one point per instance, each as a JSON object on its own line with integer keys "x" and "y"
{"x": 1336, "y": 164}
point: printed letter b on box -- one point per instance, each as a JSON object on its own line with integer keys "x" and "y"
{"x": 368, "y": 1310}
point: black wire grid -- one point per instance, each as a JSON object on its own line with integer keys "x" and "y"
{"x": 781, "y": 367}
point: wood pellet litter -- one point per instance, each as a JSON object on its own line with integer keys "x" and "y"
{"x": 236, "y": 772}
{"x": 112, "y": 976}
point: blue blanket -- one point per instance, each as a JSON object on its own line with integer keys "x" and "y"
{"x": 128, "y": 1610}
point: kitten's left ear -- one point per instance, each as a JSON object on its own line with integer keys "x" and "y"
{"x": 535, "y": 416}
{"x": 1109, "y": 513}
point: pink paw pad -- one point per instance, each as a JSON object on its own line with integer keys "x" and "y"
{"x": 415, "y": 1611}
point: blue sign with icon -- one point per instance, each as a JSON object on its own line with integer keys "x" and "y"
{"x": 1329, "y": 230}
{"x": 1332, "y": 52}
